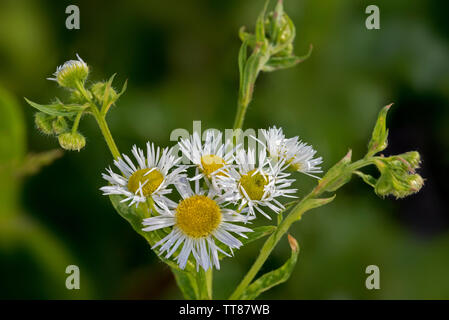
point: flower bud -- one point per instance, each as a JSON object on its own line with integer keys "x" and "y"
{"x": 99, "y": 90}
{"x": 71, "y": 73}
{"x": 413, "y": 158}
{"x": 416, "y": 182}
{"x": 77, "y": 97}
{"x": 72, "y": 141}
{"x": 59, "y": 125}
{"x": 396, "y": 179}
{"x": 43, "y": 122}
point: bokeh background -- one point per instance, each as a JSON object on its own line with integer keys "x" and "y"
{"x": 180, "y": 58}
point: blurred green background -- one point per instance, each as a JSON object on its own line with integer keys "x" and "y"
{"x": 180, "y": 58}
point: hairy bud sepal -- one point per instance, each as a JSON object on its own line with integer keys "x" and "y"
{"x": 59, "y": 125}
{"x": 71, "y": 74}
{"x": 397, "y": 177}
{"x": 73, "y": 141}
{"x": 43, "y": 123}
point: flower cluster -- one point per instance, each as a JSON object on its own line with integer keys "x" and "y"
{"x": 222, "y": 187}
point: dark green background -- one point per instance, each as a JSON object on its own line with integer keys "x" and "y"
{"x": 180, "y": 58}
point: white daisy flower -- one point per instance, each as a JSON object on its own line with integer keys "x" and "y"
{"x": 256, "y": 183}
{"x": 149, "y": 179}
{"x": 298, "y": 155}
{"x": 210, "y": 158}
{"x": 197, "y": 221}
{"x": 71, "y": 72}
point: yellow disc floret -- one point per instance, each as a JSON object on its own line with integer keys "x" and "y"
{"x": 211, "y": 163}
{"x": 150, "y": 181}
{"x": 198, "y": 216}
{"x": 294, "y": 166}
{"x": 254, "y": 184}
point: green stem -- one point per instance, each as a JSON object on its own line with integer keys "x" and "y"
{"x": 204, "y": 282}
{"x": 77, "y": 121}
{"x": 106, "y": 133}
{"x": 246, "y": 88}
{"x": 100, "y": 120}
{"x": 209, "y": 282}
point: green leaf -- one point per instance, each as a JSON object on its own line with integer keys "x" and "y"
{"x": 187, "y": 278}
{"x": 278, "y": 63}
{"x": 379, "y": 137}
{"x": 57, "y": 109}
{"x": 250, "y": 73}
{"x": 247, "y": 37}
{"x": 275, "y": 277}
{"x": 317, "y": 202}
{"x": 337, "y": 176}
{"x": 258, "y": 232}
{"x": 242, "y": 58}
{"x": 124, "y": 87}
{"x": 260, "y": 24}
{"x": 308, "y": 204}
{"x": 276, "y": 21}
{"x": 187, "y": 284}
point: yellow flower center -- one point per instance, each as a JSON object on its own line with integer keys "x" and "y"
{"x": 150, "y": 181}
{"x": 294, "y": 166}
{"x": 198, "y": 216}
{"x": 253, "y": 184}
{"x": 211, "y": 163}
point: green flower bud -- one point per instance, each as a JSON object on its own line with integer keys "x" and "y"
{"x": 413, "y": 158}
{"x": 77, "y": 97}
{"x": 71, "y": 73}
{"x": 286, "y": 52}
{"x": 72, "y": 141}
{"x": 99, "y": 90}
{"x": 43, "y": 122}
{"x": 59, "y": 125}
{"x": 416, "y": 182}
{"x": 396, "y": 178}
{"x": 278, "y": 28}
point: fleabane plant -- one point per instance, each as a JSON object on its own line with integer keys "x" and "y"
{"x": 196, "y": 214}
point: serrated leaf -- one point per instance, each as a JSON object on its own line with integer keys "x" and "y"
{"x": 275, "y": 277}
{"x": 57, "y": 109}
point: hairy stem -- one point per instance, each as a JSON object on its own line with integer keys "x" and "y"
{"x": 106, "y": 132}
